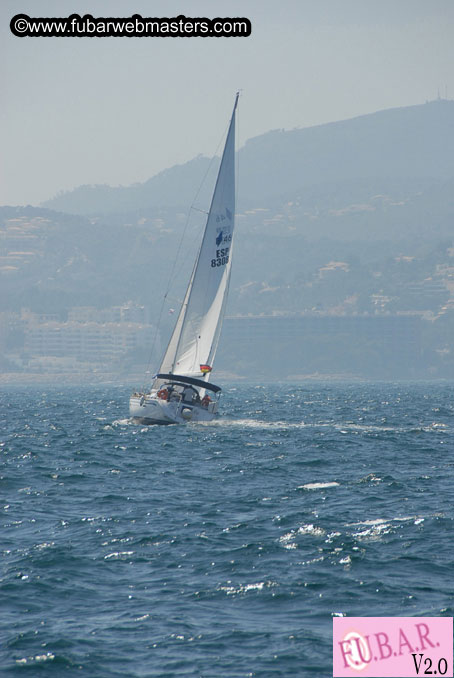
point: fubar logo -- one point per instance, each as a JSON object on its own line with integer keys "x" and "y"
{"x": 392, "y": 646}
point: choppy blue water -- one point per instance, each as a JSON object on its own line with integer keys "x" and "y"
{"x": 220, "y": 550}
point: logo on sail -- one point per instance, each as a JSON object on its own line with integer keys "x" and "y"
{"x": 224, "y": 232}
{"x": 205, "y": 369}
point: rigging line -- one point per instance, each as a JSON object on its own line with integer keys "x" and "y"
{"x": 169, "y": 283}
{"x": 153, "y": 343}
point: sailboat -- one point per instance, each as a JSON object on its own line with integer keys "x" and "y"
{"x": 181, "y": 391}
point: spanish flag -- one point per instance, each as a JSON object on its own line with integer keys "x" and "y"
{"x": 205, "y": 369}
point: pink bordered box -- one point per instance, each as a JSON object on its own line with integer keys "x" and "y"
{"x": 395, "y": 647}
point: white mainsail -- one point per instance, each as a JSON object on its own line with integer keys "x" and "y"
{"x": 196, "y": 335}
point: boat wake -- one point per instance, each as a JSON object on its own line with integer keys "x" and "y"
{"x": 254, "y": 424}
{"x": 122, "y": 422}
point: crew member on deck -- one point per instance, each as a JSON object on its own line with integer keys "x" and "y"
{"x": 206, "y": 400}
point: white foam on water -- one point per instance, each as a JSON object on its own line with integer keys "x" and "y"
{"x": 246, "y": 588}
{"x": 142, "y": 618}
{"x": 376, "y": 521}
{"x": 253, "y": 424}
{"x": 121, "y": 422}
{"x": 118, "y": 555}
{"x": 288, "y": 540}
{"x": 345, "y": 561}
{"x": 373, "y": 428}
{"x": 367, "y": 428}
{"x": 311, "y": 529}
{"x": 378, "y": 527}
{"x": 37, "y": 658}
{"x": 374, "y": 533}
{"x": 382, "y": 521}
{"x": 317, "y": 486}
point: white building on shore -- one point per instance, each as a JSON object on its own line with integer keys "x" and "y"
{"x": 89, "y": 335}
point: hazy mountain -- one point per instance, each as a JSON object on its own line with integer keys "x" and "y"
{"x": 400, "y": 153}
{"x": 176, "y": 186}
{"x": 383, "y": 148}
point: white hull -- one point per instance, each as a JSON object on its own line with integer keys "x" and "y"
{"x": 149, "y": 409}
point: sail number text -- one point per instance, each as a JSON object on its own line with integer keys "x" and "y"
{"x": 222, "y": 257}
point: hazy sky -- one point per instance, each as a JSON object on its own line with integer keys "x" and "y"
{"x": 118, "y": 110}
